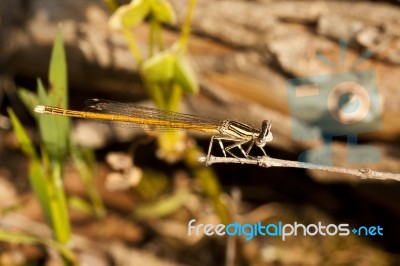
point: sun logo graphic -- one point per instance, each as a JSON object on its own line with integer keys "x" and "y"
{"x": 339, "y": 104}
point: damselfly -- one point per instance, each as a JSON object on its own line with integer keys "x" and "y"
{"x": 232, "y": 133}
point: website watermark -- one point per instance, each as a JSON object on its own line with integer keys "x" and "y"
{"x": 340, "y": 104}
{"x": 280, "y": 229}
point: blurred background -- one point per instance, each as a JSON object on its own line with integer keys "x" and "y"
{"x": 130, "y": 195}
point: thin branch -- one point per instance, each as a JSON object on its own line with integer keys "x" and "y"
{"x": 265, "y": 161}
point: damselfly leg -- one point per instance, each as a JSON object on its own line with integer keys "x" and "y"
{"x": 228, "y": 149}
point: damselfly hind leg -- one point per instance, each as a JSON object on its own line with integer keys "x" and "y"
{"x": 223, "y": 149}
{"x": 239, "y": 145}
{"x": 210, "y": 148}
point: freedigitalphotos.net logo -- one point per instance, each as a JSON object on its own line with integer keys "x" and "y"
{"x": 338, "y": 104}
{"x": 280, "y": 229}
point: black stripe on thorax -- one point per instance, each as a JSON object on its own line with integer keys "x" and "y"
{"x": 239, "y": 130}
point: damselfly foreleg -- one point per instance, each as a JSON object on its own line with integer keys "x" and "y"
{"x": 251, "y": 145}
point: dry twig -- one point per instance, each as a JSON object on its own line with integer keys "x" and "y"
{"x": 266, "y": 161}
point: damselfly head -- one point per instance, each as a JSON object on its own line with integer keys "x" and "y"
{"x": 265, "y": 134}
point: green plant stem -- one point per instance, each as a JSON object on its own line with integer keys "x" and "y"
{"x": 158, "y": 36}
{"x": 133, "y": 45}
{"x": 174, "y": 97}
{"x": 186, "y": 27}
{"x": 155, "y": 93}
{"x": 152, "y": 40}
{"x": 58, "y": 204}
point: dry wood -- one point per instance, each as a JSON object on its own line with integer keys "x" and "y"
{"x": 266, "y": 162}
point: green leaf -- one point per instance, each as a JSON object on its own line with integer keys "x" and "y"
{"x": 160, "y": 67}
{"x": 184, "y": 76}
{"x": 162, "y": 207}
{"x": 130, "y": 15}
{"x": 163, "y": 12}
{"x": 22, "y": 238}
{"x": 42, "y": 94}
{"x": 54, "y": 130}
{"x": 80, "y": 205}
{"x": 85, "y": 163}
{"x": 29, "y": 99}
{"x": 37, "y": 178}
{"x": 14, "y": 237}
{"x": 40, "y": 185}
{"x": 22, "y": 137}
{"x": 58, "y": 94}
